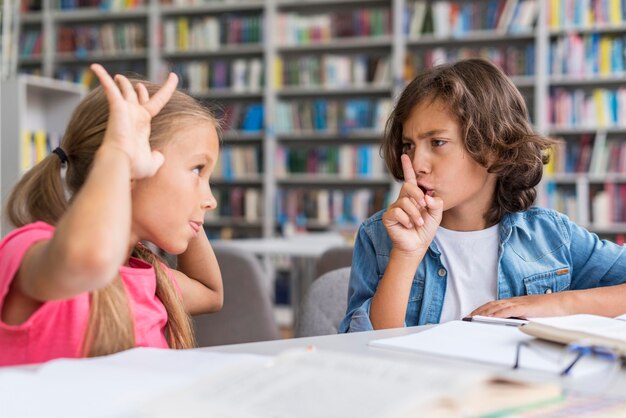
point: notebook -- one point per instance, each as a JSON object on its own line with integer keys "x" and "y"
{"x": 590, "y": 329}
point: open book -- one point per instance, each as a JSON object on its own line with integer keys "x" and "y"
{"x": 590, "y": 329}
{"x": 334, "y": 384}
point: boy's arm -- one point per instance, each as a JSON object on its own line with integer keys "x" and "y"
{"x": 605, "y": 301}
{"x": 199, "y": 277}
{"x": 389, "y": 304}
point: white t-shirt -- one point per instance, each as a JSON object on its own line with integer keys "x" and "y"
{"x": 471, "y": 259}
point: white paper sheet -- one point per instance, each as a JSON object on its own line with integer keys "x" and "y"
{"x": 111, "y": 386}
{"x": 485, "y": 343}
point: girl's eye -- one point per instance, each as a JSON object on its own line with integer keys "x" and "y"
{"x": 197, "y": 170}
{"x": 438, "y": 143}
{"x": 407, "y": 146}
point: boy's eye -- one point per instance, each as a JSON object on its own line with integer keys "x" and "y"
{"x": 438, "y": 142}
{"x": 197, "y": 170}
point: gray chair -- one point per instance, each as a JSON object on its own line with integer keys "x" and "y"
{"x": 332, "y": 259}
{"x": 247, "y": 314}
{"x": 324, "y": 304}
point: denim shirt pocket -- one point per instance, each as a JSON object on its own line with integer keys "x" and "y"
{"x": 548, "y": 282}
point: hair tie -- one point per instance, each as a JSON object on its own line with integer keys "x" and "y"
{"x": 62, "y": 155}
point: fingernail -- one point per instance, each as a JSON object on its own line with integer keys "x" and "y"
{"x": 410, "y": 225}
{"x": 423, "y": 202}
{"x": 420, "y": 222}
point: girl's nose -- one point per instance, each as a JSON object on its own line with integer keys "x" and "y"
{"x": 209, "y": 203}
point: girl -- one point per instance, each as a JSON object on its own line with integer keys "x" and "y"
{"x": 462, "y": 231}
{"x": 74, "y": 279}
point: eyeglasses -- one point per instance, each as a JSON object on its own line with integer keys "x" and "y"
{"x": 589, "y": 360}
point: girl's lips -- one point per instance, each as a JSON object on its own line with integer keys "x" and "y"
{"x": 195, "y": 226}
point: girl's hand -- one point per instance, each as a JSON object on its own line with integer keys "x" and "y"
{"x": 554, "y": 304}
{"x": 130, "y": 112}
{"x": 412, "y": 220}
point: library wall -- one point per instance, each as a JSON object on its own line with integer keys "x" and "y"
{"x": 304, "y": 89}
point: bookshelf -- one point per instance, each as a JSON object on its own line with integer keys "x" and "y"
{"x": 35, "y": 112}
{"x": 305, "y": 86}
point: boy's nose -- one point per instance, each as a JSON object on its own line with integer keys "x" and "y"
{"x": 421, "y": 162}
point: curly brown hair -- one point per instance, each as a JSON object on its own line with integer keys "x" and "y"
{"x": 494, "y": 124}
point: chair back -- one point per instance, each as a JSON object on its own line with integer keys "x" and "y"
{"x": 247, "y": 314}
{"x": 332, "y": 259}
{"x": 324, "y": 304}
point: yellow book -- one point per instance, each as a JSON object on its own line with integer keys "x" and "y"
{"x": 555, "y": 7}
{"x": 183, "y": 34}
{"x": 278, "y": 72}
{"x": 605, "y": 55}
{"x": 41, "y": 145}
{"x": 26, "y": 151}
{"x": 548, "y": 169}
{"x": 615, "y": 12}
{"x": 598, "y": 102}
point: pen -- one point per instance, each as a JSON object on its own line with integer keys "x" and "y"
{"x": 513, "y": 321}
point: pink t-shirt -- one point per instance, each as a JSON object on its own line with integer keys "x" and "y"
{"x": 57, "y": 328}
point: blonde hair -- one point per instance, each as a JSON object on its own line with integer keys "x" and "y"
{"x": 40, "y": 196}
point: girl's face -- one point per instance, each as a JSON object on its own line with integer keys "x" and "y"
{"x": 431, "y": 137}
{"x": 169, "y": 208}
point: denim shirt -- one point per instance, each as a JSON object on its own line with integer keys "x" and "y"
{"x": 540, "y": 251}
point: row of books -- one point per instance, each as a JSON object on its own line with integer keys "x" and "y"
{"x": 100, "y": 4}
{"x": 27, "y": 6}
{"x": 585, "y": 13}
{"x": 243, "y": 161}
{"x": 332, "y": 70}
{"x": 455, "y": 18}
{"x": 241, "y": 117}
{"x": 588, "y": 109}
{"x": 83, "y": 75}
{"x": 35, "y": 146}
{"x": 31, "y": 42}
{"x": 589, "y": 155}
{"x": 607, "y": 203}
{"x": 211, "y": 33}
{"x": 346, "y": 161}
{"x": 108, "y": 38}
{"x": 332, "y": 115}
{"x": 588, "y": 54}
{"x": 183, "y": 3}
{"x": 237, "y": 203}
{"x": 298, "y": 29}
{"x": 326, "y": 207}
{"x": 239, "y": 75}
{"x": 514, "y": 60}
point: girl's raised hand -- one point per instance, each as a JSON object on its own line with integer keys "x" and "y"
{"x": 412, "y": 220}
{"x": 130, "y": 112}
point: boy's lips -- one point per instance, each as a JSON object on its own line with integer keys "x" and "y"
{"x": 426, "y": 190}
{"x": 195, "y": 225}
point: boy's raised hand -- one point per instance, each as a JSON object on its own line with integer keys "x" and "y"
{"x": 412, "y": 220}
{"x": 130, "y": 112}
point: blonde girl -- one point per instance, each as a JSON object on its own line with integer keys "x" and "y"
{"x": 133, "y": 165}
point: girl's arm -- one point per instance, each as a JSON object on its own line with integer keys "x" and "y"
{"x": 199, "y": 277}
{"x": 411, "y": 222}
{"x": 91, "y": 240}
{"x": 605, "y": 301}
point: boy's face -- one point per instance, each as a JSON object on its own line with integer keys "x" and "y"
{"x": 169, "y": 208}
{"x": 431, "y": 137}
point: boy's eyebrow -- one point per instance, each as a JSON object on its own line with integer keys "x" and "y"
{"x": 427, "y": 134}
